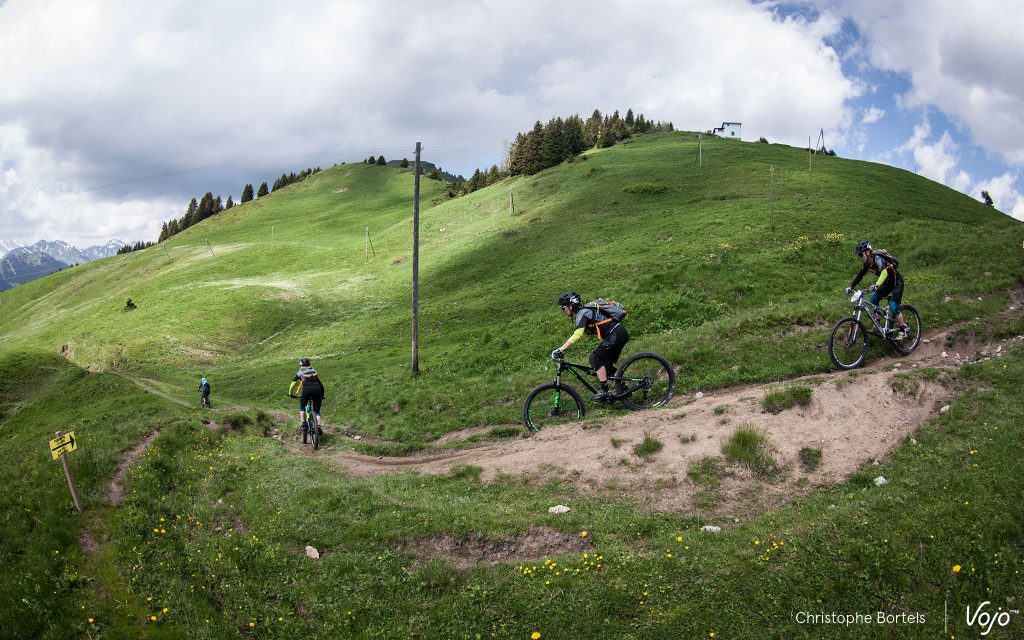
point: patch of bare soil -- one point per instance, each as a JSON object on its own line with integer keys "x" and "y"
{"x": 341, "y": 190}
{"x": 115, "y": 488}
{"x": 87, "y": 543}
{"x": 464, "y": 552}
{"x": 854, "y": 418}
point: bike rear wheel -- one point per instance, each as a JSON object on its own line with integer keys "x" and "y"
{"x": 848, "y": 344}
{"x": 652, "y": 379}
{"x": 314, "y": 433}
{"x": 552, "y": 404}
{"x": 907, "y": 345}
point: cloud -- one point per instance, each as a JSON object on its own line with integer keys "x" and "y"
{"x": 103, "y": 92}
{"x": 963, "y": 61}
{"x": 872, "y": 115}
{"x": 1005, "y": 195}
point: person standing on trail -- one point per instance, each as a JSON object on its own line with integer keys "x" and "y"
{"x": 592, "y": 319}
{"x": 306, "y": 386}
{"x": 204, "y": 388}
{"x": 890, "y": 283}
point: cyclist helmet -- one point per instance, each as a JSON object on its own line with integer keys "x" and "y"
{"x": 863, "y": 246}
{"x": 569, "y": 299}
{"x": 304, "y": 362}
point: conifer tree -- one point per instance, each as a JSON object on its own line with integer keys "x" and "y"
{"x": 535, "y": 149}
{"x": 380, "y": 161}
{"x": 262, "y": 190}
{"x": 230, "y": 203}
{"x": 404, "y": 163}
{"x": 247, "y": 193}
{"x": 592, "y": 129}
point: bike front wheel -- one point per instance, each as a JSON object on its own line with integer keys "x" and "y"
{"x": 848, "y": 344}
{"x": 649, "y": 379}
{"x": 552, "y": 404}
{"x": 912, "y": 318}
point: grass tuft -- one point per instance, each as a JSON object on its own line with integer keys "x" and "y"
{"x": 810, "y": 459}
{"x": 749, "y": 448}
{"x": 648, "y": 447}
{"x": 780, "y": 399}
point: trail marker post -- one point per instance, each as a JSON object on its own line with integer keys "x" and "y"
{"x": 60, "y": 446}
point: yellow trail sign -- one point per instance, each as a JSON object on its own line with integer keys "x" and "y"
{"x": 63, "y": 444}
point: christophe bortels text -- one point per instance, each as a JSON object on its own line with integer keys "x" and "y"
{"x": 858, "y": 618}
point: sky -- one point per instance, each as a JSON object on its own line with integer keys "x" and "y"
{"x": 114, "y": 114}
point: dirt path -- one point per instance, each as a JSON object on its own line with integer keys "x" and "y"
{"x": 854, "y": 418}
{"x": 115, "y": 488}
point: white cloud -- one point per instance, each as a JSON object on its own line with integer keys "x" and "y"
{"x": 963, "y": 60}
{"x": 1005, "y": 195}
{"x": 872, "y": 115}
{"x": 110, "y": 90}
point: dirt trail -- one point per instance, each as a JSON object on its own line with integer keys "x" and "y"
{"x": 854, "y": 418}
{"x": 115, "y": 488}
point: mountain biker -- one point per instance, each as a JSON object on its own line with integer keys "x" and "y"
{"x": 204, "y": 387}
{"x": 306, "y": 386}
{"x": 612, "y": 333}
{"x": 890, "y": 282}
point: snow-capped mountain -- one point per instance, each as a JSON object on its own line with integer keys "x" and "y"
{"x": 23, "y": 265}
{"x": 58, "y": 250}
{"x": 98, "y": 251}
{"x": 20, "y": 264}
{"x": 7, "y": 246}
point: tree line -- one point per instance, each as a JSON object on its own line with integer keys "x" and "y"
{"x": 128, "y": 248}
{"x": 211, "y": 205}
{"x": 561, "y": 139}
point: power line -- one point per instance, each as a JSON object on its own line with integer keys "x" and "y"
{"x": 236, "y": 163}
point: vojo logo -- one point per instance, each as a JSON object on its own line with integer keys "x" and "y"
{"x": 986, "y": 619}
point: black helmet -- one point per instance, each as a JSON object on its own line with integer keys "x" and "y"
{"x": 863, "y": 246}
{"x": 304, "y": 362}
{"x": 569, "y": 299}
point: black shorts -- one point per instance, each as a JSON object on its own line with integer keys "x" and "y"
{"x": 608, "y": 352}
{"x": 315, "y": 395}
{"x": 892, "y": 288}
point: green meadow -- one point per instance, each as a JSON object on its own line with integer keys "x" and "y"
{"x": 209, "y": 539}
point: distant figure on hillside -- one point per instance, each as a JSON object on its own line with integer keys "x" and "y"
{"x": 890, "y": 283}
{"x": 204, "y": 388}
{"x": 128, "y": 306}
{"x": 306, "y": 386}
{"x": 595, "y": 320}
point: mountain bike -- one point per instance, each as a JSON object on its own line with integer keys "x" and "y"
{"x": 848, "y": 342}
{"x": 310, "y": 432}
{"x": 644, "y": 381}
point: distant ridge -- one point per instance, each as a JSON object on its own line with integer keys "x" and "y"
{"x": 21, "y": 264}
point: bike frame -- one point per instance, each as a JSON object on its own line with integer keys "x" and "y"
{"x": 881, "y": 331}
{"x": 575, "y": 369}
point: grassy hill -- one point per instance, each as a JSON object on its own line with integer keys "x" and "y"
{"x": 243, "y": 295}
{"x": 209, "y": 538}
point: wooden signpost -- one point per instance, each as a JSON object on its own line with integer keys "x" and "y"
{"x": 60, "y": 446}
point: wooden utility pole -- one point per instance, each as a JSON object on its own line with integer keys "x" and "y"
{"x": 511, "y": 203}
{"x": 700, "y": 157}
{"x": 809, "y": 154}
{"x": 771, "y": 171}
{"x": 416, "y": 266}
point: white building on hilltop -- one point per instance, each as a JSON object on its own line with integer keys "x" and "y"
{"x": 728, "y": 130}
